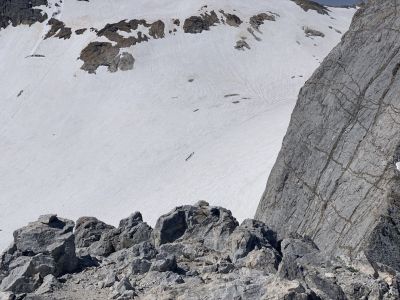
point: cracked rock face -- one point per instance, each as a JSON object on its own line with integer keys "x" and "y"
{"x": 335, "y": 179}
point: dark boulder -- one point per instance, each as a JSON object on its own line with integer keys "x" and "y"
{"x": 131, "y": 232}
{"x": 164, "y": 264}
{"x": 297, "y": 252}
{"x": 88, "y": 231}
{"x": 98, "y": 54}
{"x": 250, "y": 235}
{"x": 197, "y": 24}
{"x": 233, "y": 20}
{"x": 140, "y": 266}
{"x": 58, "y": 30}
{"x": 156, "y": 30}
{"x": 211, "y": 225}
{"x": 303, "y": 261}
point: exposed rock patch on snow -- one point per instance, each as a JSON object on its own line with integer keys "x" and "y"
{"x": 312, "y": 5}
{"x": 26, "y": 12}
{"x": 258, "y": 20}
{"x": 312, "y": 32}
{"x": 197, "y": 24}
{"x": 98, "y": 54}
{"x": 58, "y": 30}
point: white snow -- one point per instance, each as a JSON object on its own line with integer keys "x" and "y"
{"x": 110, "y": 144}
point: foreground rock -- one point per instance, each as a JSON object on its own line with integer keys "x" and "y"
{"x": 337, "y": 176}
{"x": 96, "y": 238}
{"x": 45, "y": 247}
{"x": 211, "y": 225}
{"x": 194, "y": 252}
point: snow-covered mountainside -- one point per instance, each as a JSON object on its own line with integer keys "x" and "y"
{"x": 108, "y": 107}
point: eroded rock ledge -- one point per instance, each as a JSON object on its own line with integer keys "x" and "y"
{"x": 194, "y": 252}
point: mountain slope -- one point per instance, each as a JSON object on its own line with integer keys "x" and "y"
{"x": 191, "y": 117}
{"x": 337, "y": 175}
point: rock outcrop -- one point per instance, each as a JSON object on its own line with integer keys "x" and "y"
{"x": 337, "y": 176}
{"x": 16, "y": 12}
{"x": 112, "y": 44}
{"x": 128, "y": 33}
{"x": 257, "y": 20}
{"x": 45, "y": 247}
{"x": 312, "y": 5}
{"x": 98, "y": 54}
{"x": 211, "y": 225}
{"x": 94, "y": 237}
{"x": 194, "y": 252}
{"x": 58, "y": 30}
{"x": 197, "y": 24}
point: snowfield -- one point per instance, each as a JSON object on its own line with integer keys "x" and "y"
{"x": 196, "y": 119}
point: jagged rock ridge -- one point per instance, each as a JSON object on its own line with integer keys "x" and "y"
{"x": 194, "y": 252}
{"x": 337, "y": 177}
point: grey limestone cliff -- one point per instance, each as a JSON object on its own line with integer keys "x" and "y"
{"x": 337, "y": 177}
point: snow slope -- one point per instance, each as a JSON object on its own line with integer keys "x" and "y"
{"x": 162, "y": 134}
